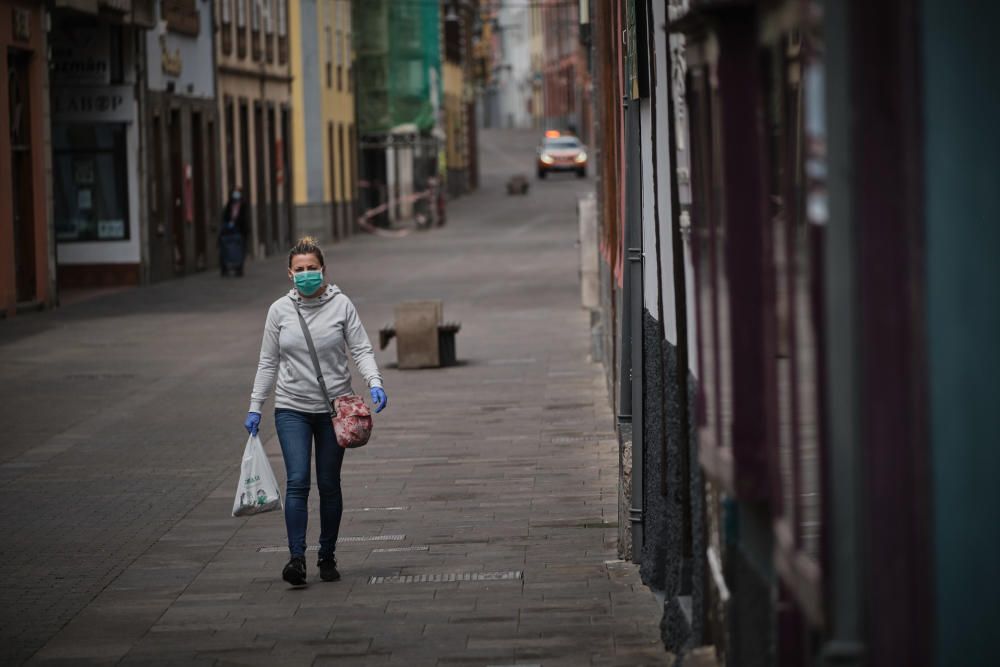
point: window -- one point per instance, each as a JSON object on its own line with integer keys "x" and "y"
{"x": 329, "y": 56}
{"x": 282, "y": 32}
{"x": 269, "y": 30}
{"x": 155, "y": 189}
{"x": 332, "y": 173}
{"x": 230, "y": 130}
{"x": 352, "y": 155}
{"x": 346, "y": 29}
{"x": 226, "y": 21}
{"x": 563, "y": 142}
{"x": 90, "y": 184}
{"x": 255, "y": 20}
{"x": 116, "y": 49}
{"x": 452, "y": 42}
{"x": 338, "y": 22}
{"x": 241, "y": 28}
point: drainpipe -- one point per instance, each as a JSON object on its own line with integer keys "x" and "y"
{"x": 844, "y": 646}
{"x": 631, "y": 314}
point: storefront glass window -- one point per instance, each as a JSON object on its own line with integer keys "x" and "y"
{"x": 90, "y": 185}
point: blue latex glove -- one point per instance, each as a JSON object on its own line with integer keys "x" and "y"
{"x": 252, "y": 424}
{"x": 379, "y": 398}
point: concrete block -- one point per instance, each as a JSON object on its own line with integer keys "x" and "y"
{"x": 417, "y": 333}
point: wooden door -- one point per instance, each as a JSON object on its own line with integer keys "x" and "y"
{"x": 198, "y": 173}
{"x": 176, "y": 149}
{"x": 22, "y": 187}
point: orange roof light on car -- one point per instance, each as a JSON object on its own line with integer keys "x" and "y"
{"x": 551, "y": 134}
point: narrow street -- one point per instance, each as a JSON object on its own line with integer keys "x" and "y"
{"x": 481, "y": 521}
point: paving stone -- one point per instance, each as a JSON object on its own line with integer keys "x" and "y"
{"x": 506, "y": 462}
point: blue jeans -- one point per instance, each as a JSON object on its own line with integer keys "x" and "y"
{"x": 296, "y": 431}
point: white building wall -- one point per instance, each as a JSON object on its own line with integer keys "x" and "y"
{"x": 194, "y": 54}
{"x": 515, "y": 74}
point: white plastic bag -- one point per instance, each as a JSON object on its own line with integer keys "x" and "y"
{"x": 257, "y": 491}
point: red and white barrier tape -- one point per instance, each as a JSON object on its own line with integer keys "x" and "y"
{"x": 363, "y": 221}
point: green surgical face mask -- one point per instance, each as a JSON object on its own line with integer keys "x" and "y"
{"x": 307, "y": 282}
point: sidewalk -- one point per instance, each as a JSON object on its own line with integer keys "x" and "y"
{"x": 480, "y": 521}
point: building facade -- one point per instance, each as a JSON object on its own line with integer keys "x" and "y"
{"x": 514, "y": 69}
{"x": 26, "y": 249}
{"x": 399, "y": 107}
{"x": 536, "y": 49}
{"x": 324, "y": 133}
{"x": 181, "y": 147}
{"x": 253, "y": 64}
{"x": 96, "y": 91}
{"x": 565, "y": 76}
{"x": 799, "y": 306}
{"x": 459, "y": 110}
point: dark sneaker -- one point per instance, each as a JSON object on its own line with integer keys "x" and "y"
{"x": 328, "y": 569}
{"x": 295, "y": 572}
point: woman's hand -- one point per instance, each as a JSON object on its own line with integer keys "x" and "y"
{"x": 379, "y": 398}
{"x": 252, "y": 424}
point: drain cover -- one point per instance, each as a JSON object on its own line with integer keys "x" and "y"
{"x": 445, "y": 578}
{"x": 391, "y": 550}
{"x": 378, "y": 509}
{"x": 373, "y": 538}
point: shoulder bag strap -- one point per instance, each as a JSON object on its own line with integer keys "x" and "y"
{"x": 312, "y": 352}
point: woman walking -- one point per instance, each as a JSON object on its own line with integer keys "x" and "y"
{"x": 233, "y": 234}
{"x": 302, "y": 413}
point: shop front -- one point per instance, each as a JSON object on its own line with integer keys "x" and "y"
{"x": 95, "y": 152}
{"x": 182, "y": 164}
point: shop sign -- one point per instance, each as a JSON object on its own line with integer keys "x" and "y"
{"x": 182, "y": 16}
{"x": 81, "y": 55}
{"x": 107, "y": 104}
{"x": 172, "y": 63}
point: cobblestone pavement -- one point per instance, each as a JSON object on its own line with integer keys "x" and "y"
{"x": 480, "y": 525}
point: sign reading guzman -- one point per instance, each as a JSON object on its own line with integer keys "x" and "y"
{"x": 82, "y": 56}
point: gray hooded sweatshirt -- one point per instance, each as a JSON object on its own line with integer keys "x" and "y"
{"x": 335, "y": 328}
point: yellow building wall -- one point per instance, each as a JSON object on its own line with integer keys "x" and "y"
{"x": 454, "y": 116}
{"x": 300, "y": 191}
{"x": 333, "y": 18}
{"x": 338, "y": 104}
